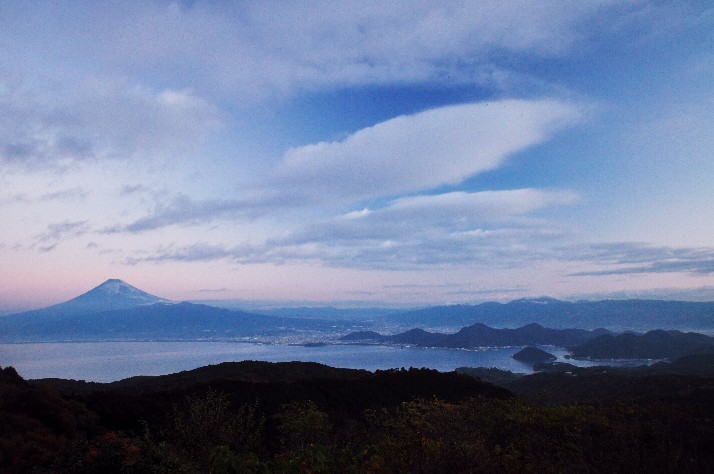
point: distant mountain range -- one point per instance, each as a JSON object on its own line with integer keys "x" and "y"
{"x": 595, "y": 344}
{"x": 116, "y": 310}
{"x": 616, "y": 315}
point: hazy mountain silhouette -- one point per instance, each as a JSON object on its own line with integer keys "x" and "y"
{"x": 616, "y": 315}
{"x": 116, "y": 310}
{"x": 111, "y": 295}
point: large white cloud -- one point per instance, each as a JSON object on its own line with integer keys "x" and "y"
{"x": 411, "y": 153}
{"x": 403, "y": 155}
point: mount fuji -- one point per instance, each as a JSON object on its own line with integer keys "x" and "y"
{"x": 116, "y": 310}
{"x": 111, "y": 295}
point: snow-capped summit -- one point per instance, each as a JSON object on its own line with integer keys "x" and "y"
{"x": 115, "y": 288}
{"x": 538, "y": 300}
{"x": 110, "y": 295}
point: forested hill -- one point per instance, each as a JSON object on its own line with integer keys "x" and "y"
{"x": 656, "y": 344}
{"x": 480, "y": 335}
{"x": 321, "y": 419}
{"x": 596, "y": 344}
{"x": 252, "y": 371}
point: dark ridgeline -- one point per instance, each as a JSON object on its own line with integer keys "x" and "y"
{"x": 480, "y": 335}
{"x": 596, "y": 344}
{"x": 657, "y": 344}
{"x": 306, "y": 417}
{"x": 689, "y": 378}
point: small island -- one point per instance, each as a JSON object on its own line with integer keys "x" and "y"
{"x": 533, "y": 355}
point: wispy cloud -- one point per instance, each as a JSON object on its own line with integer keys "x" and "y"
{"x": 99, "y": 119}
{"x": 453, "y": 228}
{"x": 59, "y": 232}
{"x": 463, "y": 291}
{"x": 198, "y": 252}
{"x": 129, "y": 189}
{"x": 63, "y": 229}
{"x": 638, "y": 258}
{"x": 65, "y": 194}
{"x": 424, "y": 224}
{"x": 409, "y": 286}
{"x": 182, "y": 210}
{"x": 75, "y": 193}
{"x": 510, "y": 248}
{"x": 15, "y": 198}
{"x": 432, "y": 250}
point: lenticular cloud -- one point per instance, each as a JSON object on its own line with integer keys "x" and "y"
{"x": 416, "y": 152}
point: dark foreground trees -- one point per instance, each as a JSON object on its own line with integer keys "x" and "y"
{"x": 468, "y": 428}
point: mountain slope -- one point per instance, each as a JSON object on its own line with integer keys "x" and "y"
{"x": 159, "y": 321}
{"x": 111, "y": 295}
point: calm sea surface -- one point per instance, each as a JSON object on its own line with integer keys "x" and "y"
{"x": 109, "y": 361}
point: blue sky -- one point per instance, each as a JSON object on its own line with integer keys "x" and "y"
{"x": 357, "y": 152}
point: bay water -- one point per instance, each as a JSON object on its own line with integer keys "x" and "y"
{"x": 110, "y": 361}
